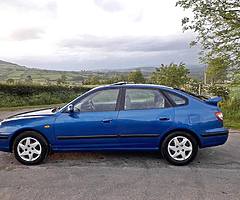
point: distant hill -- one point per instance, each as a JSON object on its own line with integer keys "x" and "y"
{"x": 19, "y": 73}
{"x": 14, "y": 71}
{"x": 196, "y": 71}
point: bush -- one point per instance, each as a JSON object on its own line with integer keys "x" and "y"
{"x": 231, "y": 108}
{"x": 29, "y": 94}
{"x": 219, "y": 90}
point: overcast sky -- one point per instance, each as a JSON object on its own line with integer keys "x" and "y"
{"x": 93, "y": 34}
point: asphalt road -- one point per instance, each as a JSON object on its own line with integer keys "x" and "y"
{"x": 215, "y": 174}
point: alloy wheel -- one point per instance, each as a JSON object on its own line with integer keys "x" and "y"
{"x": 180, "y": 148}
{"x": 29, "y": 149}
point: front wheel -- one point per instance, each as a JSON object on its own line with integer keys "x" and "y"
{"x": 179, "y": 148}
{"x": 30, "y": 148}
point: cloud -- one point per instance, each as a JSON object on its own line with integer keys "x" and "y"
{"x": 92, "y": 52}
{"x": 109, "y": 5}
{"x": 29, "y": 5}
{"x": 111, "y": 60}
{"x": 26, "y": 34}
{"x": 129, "y": 44}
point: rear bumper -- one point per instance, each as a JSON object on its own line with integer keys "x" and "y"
{"x": 214, "y": 137}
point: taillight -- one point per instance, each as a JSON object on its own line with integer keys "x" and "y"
{"x": 219, "y": 115}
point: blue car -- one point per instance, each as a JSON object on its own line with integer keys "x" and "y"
{"x": 118, "y": 117}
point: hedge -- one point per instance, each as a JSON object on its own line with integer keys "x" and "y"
{"x": 32, "y": 94}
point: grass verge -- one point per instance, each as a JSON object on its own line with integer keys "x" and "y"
{"x": 231, "y": 123}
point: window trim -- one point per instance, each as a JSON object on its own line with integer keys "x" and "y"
{"x": 165, "y": 92}
{"x": 169, "y": 104}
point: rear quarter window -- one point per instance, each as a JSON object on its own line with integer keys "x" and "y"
{"x": 177, "y": 99}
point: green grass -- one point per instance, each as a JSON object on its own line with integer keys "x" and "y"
{"x": 231, "y": 109}
{"x": 232, "y": 123}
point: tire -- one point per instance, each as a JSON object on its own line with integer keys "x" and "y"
{"x": 179, "y": 148}
{"x": 30, "y": 148}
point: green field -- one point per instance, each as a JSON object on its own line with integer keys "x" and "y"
{"x": 19, "y": 73}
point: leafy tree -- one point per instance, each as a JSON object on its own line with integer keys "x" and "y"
{"x": 28, "y": 79}
{"x": 47, "y": 81}
{"x": 171, "y": 75}
{"x": 136, "y": 77}
{"x": 194, "y": 86}
{"x": 216, "y": 70}
{"x": 236, "y": 79}
{"x": 10, "y": 81}
{"x": 92, "y": 80}
{"x": 62, "y": 79}
{"x": 217, "y": 23}
{"x": 219, "y": 90}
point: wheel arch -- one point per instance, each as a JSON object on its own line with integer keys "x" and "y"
{"x": 18, "y": 132}
{"x": 180, "y": 130}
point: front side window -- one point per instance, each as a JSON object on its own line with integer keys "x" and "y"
{"x": 105, "y": 100}
{"x": 138, "y": 99}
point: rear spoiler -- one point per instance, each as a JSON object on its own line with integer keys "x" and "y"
{"x": 214, "y": 100}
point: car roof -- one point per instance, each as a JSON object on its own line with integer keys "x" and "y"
{"x": 132, "y": 85}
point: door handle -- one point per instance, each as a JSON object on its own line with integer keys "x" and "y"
{"x": 164, "y": 119}
{"x": 107, "y": 121}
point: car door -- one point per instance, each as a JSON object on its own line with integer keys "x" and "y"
{"x": 145, "y": 115}
{"x": 92, "y": 124}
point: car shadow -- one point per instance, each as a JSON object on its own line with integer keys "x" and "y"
{"x": 112, "y": 159}
{"x": 217, "y": 157}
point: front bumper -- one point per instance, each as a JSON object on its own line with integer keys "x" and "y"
{"x": 4, "y": 142}
{"x": 214, "y": 137}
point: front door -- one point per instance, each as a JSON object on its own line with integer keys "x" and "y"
{"x": 145, "y": 116}
{"x": 93, "y": 124}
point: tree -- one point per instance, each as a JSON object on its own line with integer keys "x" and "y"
{"x": 216, "y": 70}
{"x": 47, "y": 81}
{"x": 217, "y": 23}
{"x": 62, "y": 79}
{"x": 236, "y": 79}
{"x": 92, "y": 80}
{"x": 10, "y": 81}
{"x": 171, "y": 75}
{"x": 28, "y": 79}
{"x": 136, "y": 77}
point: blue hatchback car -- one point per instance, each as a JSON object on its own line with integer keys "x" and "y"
{"x": 118, "y": 117}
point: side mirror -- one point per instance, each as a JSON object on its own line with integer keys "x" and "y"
{"x": 70, "y": 108}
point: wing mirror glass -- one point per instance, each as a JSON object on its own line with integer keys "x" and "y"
{"x": 70, "y": 108}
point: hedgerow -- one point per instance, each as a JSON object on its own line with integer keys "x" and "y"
{"x": 32, "y": 94}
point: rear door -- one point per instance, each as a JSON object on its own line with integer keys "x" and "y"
{"x": 145, "y": 115}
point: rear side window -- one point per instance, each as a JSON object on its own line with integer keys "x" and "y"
{"x": 139, "y": 99}
{"x": 177, "y": 99}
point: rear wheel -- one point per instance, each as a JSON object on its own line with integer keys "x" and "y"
{"x": 30, "y": 148}
{"x": 179, "y": 148}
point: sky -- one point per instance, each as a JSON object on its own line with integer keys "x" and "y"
{"x": 94, "y": 34}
